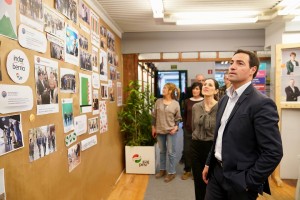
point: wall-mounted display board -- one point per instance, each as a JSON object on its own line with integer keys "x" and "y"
{"x": 287, "y": 96}
{"x": 59, "y": 135}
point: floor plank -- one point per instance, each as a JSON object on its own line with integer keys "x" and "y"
{"x": 133, "y": 187}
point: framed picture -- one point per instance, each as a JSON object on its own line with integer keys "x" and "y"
{"x": 288, "y": 75}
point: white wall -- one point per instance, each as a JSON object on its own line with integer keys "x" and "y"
{"x": 193, "y": 68}
{"x": 230, "y": 40}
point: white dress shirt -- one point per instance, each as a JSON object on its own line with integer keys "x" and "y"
{"x": 233, "y": 98}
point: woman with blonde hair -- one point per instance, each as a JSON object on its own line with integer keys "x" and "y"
{"x": 166, "y": 117}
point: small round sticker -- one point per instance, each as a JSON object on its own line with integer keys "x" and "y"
{"x": 17, "y": 66}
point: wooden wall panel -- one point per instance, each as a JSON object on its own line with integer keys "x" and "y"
{"x": 48, "y": 178}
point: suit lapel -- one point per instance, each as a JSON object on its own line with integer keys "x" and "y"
{"x": 244, "y": 95}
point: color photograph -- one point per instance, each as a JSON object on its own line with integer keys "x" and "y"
{"x": 42, "y": 142}
{"x": 11, "y": 136}
{"x": 72, "y": 46}
{"x": 74, "y": 156}
{"x": 67, "y": 80}
{"x": 67, "y": 114}
{"x": 54, "y": 23}
{"x": 93, "y": 125}
{"x": 290, "y": 61}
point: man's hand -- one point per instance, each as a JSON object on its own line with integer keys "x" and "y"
{"x": 204, "y": 174}
{"x": 153, "y": 132}
{"x": 173, "y": 131}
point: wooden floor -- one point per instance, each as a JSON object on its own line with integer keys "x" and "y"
{"x": 133, "y": 187}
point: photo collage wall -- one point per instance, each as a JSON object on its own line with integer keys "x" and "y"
{"x": 74, "y": 58}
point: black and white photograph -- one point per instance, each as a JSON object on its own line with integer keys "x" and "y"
{"x": 104, "y": 91}
{"x": 84, "y": 12}
{"x": 67, "y": 8}
{"x": 103, "y": 43}
{"x": 103, "y": 65}
{"x": 85, "y": 60}
{"x": 11, "y": 135}
{"x": 42, "y": 142}
{"x": 103, "y": 31}
{"x": 67, "y": 80}
{"x": 95, "y": 59}
{"x": 112, "y": 73}
{"x": 54, "y": 23}
{"x": 110, "y": 57}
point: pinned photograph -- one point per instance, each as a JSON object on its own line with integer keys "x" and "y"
{"x": 32, "y": 14}
{"x": 2, "y": 184}
{"x": 110, "y": 57}
{"x": 74, "y": 157}
{"x": 84, "y": 12}
{"x": 93, "y": 125}
{"x": 103, "y": 31}
{"x": 67, "y": 80}
{"x": 95, "y": 58}
{"x": 110, "y": 41}
{"x": 103, "y": 65}
{"x": 103, "y": 117}
{"x": 11, "y": 136}
{"x": 67, "y": 114}
{"x": 95, "y": 102}
{"x": 85, "y": 60}
{"x": 8, "y": 27}
{"x": 67, "y": 8}
{"x": 83, "y": 42}
{"x": 42, "y": 142}
{"x": 57, "y": 47}
{"x": 72, "y": 46}
{"x": 290, "y": 61}
{"x": 54, "y": 23}
{"x": 46, "y": 77}
{"x": 95, "y": 29}
{"x": 113, "y": 73}
{"x": 104, "y": 91}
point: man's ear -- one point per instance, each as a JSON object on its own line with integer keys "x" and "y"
{"x": 253, "y": 70}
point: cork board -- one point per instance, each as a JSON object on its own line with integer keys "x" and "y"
{"x": 49, "y": 177}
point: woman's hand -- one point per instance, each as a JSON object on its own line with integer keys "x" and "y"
{"x": 153, "y": 132}
{"x": 173, "y": 131}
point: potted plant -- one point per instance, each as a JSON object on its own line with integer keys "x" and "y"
{"x": 135, "y": 124}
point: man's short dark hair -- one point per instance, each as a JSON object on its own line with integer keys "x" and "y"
{"x": 293, "y": 53}
{"x": 253, "y": 59}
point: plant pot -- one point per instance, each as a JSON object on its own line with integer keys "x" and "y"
{"x": 140, "y": 159}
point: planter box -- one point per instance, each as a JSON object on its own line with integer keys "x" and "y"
{"x": 140, "y": 159}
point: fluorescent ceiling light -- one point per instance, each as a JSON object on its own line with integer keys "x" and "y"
{"x": 157, "y": 8}
{"x": 296, "y": 19}
{"x": 221, "y": 14}
{"x": 216, "y": 21}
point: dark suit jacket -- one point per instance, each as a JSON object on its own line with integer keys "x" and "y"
{"x": 290, "y": 95}
{"x": 251, "y": 144}
{"x": 290, "y": 66}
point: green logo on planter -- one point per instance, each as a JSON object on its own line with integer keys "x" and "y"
{"x": 136, "y": 158}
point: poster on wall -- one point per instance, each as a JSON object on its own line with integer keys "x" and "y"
{"x": 54, "y": 23}
{"x": 85, "y": 89}
{"x": 67, "y": 8}
{"x": 67, "y": 80}
{"x": 95, "y": 35}
{"x": 2, "y": 185}
{"x": 290, "y": 75}
{"x": 74, "y": 157}
{"x": 17, "y": 66}
{"x": 71, "y": 54}
{"x": 46, "y": 74}
{"x": 103, "y": 65}
{"x": 80, "y": 124}
{"x": 11, "y": 134}
{"x": 57, "y": 47}
{"x": 67, "y": 114}
{"x": 119, "y": 94}
{"x": 103, "y": 117}
{"x": 15, "y": 98}
{"x": 31, "y": 14}
{"x": 42, "y": 142}
{"x": 95, "y": 102}
{"x": 8, "y": 27}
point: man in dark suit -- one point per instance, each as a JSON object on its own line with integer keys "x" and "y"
{"x": 292, "y": 91}
{"x": 247, "y": 146}
{"x": 291, "y": 63}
